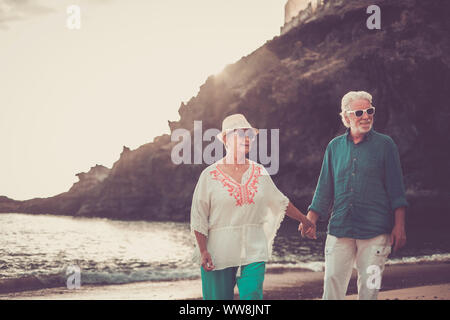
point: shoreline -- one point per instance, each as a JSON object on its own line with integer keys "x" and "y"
{"x": 417, "y": 281}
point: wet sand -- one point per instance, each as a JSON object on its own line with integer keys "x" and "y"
{"x": 426, "y": 281}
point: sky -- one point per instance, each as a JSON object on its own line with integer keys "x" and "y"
{"x": 72, "y": 98}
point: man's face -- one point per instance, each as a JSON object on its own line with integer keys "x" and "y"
{"x": 361, "y": 124}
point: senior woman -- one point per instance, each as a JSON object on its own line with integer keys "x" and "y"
{"x": 235, "y": 214}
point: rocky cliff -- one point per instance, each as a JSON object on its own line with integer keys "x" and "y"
{"x": 295, "y": 82}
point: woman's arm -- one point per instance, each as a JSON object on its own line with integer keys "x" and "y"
{"x": 201, "y": 240}
{"x": 207, "y": 263}
{"x": 294, "y": 213}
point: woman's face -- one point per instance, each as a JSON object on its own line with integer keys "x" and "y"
{"x": 239, "y": 140}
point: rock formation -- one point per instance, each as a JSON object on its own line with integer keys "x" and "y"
{"x": 88, "y": 180}
{"x": 298, "y": 12}
{"x": 295, "y": 82}
{"x": 294, "y": 7}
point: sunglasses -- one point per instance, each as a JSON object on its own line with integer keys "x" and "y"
{"x": 242, "y": 133}
{"x": 370, "y": 111}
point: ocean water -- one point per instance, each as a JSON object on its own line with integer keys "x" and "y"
{"x": 45, "y": 247}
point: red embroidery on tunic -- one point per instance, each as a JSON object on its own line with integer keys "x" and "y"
{"x": 253, "y": 188}
{"x": 243, "y": 194}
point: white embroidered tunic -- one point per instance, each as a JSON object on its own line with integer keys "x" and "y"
{"x": 240, "y": 220}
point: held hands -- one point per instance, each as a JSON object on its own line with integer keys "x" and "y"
{"x": 308, "y": 226}
{"x": 207, "y": 263}
{"x": 307, "y": 223}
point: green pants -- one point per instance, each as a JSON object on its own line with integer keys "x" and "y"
{"x": 219, "y": 284}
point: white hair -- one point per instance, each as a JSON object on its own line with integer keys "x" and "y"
{"x": 349, "y": 98}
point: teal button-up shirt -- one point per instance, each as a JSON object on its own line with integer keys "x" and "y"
{"x": 362, "y": 183}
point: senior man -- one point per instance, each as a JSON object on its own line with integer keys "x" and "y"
{"x": 361, "y": 178}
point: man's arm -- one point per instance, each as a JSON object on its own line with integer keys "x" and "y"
{"x": 396, "y": 193}
{"x": 398, "y": 234}
{"x": 313, "y": 216}
{"x": 400, "y": 216}
{"x": 394, "y": 177}
{"x": 324, "y": 194}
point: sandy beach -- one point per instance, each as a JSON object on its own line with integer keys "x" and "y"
{"x": 430, "y": 281}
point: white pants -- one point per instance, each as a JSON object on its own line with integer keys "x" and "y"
{"x": 367, "y": 255}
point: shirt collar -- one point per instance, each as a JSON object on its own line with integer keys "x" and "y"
{"x": 367, "y": 136}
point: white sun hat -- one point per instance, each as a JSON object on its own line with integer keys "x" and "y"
{"x": 234, "y": 121}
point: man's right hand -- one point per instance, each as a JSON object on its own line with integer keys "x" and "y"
{"x": 311, "y": 233}
{"x": 207, "y": 263}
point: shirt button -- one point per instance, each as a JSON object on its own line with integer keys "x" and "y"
{"x": 353, "y": 173}
{"x": 354, "y": 159}
{"x": 351, "y": 189}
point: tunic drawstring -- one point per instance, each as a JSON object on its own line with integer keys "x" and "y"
{"x": 243, "y": 249}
